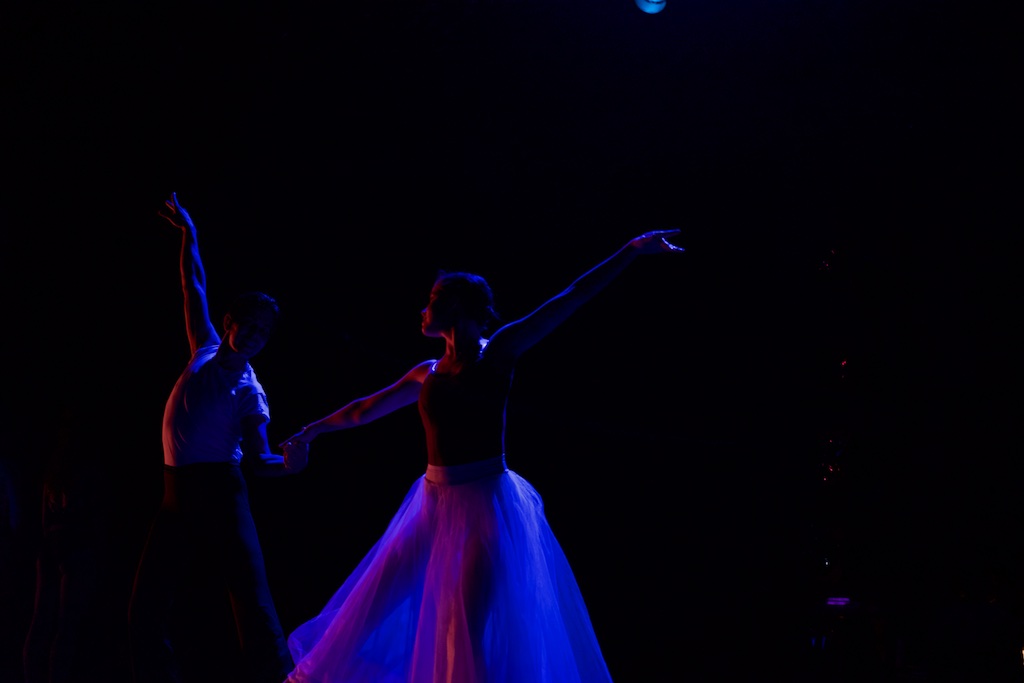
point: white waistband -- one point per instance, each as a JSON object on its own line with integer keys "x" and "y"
{"x": 460, "y": 474}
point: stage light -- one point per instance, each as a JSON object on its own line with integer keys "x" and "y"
{"x": 650, "y": 6}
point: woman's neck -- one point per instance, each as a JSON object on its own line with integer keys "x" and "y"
{"x": 462, "y": 351}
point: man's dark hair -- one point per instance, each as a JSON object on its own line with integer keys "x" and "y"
{"x": 246, "y": 305}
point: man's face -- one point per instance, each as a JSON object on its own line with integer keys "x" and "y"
{"x": 247, "y": 336}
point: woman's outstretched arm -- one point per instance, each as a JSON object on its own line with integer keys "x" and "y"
{"x": 367, "y": 408}
{"x": 513, "y": 339}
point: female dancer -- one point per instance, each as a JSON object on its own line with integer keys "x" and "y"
{"x": 468, "y": 583}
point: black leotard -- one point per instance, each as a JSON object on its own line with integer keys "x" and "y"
{"x": 464, "y": 413}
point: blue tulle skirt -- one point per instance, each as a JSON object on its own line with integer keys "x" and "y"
{"x": 467, "y": 585}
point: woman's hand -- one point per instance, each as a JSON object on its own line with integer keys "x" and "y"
{"x": 303, "y": 437}
{"x": 655, "y": 241}
{"x": 296, "y": 455}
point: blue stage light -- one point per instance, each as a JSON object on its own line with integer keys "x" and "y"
{"x": 651, "y": 6}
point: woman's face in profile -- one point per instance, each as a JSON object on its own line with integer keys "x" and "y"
{"x": 441, "y": 312}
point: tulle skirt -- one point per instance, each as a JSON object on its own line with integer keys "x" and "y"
{"x": 467, "y": 585}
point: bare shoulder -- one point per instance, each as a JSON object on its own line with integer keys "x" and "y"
{"x": 419, "y": 372}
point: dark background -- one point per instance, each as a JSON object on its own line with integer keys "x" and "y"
{"x": 817, "y": 399}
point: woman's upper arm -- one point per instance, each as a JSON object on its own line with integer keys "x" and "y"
{"x": 513, "y": 339}
{"x": 405, "y": 391}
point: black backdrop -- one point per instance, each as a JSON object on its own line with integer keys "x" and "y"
{"x": 842, "y": 175}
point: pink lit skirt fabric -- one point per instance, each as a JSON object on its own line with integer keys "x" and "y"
{"x": 467, "y": 585}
